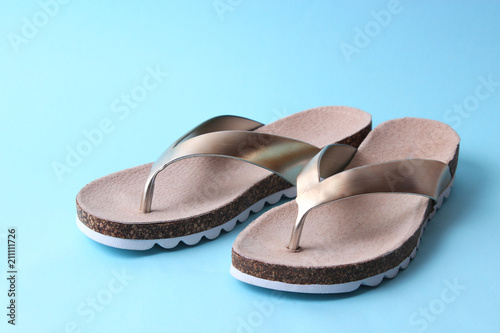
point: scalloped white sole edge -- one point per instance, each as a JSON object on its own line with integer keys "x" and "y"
{"x": 342, "y": 287}
{"x": 169, "y": 243}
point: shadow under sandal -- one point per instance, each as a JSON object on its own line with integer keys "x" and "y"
{"x": 354, "y": 227}
{"x": 210, "y": 178}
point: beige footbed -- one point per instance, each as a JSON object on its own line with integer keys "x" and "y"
{"x": 197, "y": 185}
{"x": 356, "y": 229}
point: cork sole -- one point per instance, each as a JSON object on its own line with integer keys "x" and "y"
{"x": 353, "y": 241}
{"x": 169, "y": 243}
{"x": 198, "y": 196}
{"x": 372, "y": 281}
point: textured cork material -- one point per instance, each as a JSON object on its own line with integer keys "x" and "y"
{"x": 198, "y": 194}
{"x": 355, "y": 238}
{"x": 171, "y": 229}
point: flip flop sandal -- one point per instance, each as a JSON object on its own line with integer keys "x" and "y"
{"x": 357, "y": 226}
{"x": 198, "y": 192}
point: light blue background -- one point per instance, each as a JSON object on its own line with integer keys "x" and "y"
{"x": 262, "y": 60}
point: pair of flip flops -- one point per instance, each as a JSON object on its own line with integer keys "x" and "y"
{"x": 363, "y": 197}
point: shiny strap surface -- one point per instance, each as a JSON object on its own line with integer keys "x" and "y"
{"x": 428, "y": 178}
{"x": 220, "y": 123}
{"x": 329, "y": 161}
{"x": 281, "y": 155}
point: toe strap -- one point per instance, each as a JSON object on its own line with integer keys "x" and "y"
{"x": 234, "y": 138}
{"x": 424, "y": 177}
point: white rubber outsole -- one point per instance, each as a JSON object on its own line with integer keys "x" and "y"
{"x": 342, "y": 287}
{"x": 169, "y": 243}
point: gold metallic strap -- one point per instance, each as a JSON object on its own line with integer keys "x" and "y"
{"x": 220, "y": 123}
{"x": 281, "y": 155}
{"x": 412, "y": 176}
{"x": 329, "y": 161}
